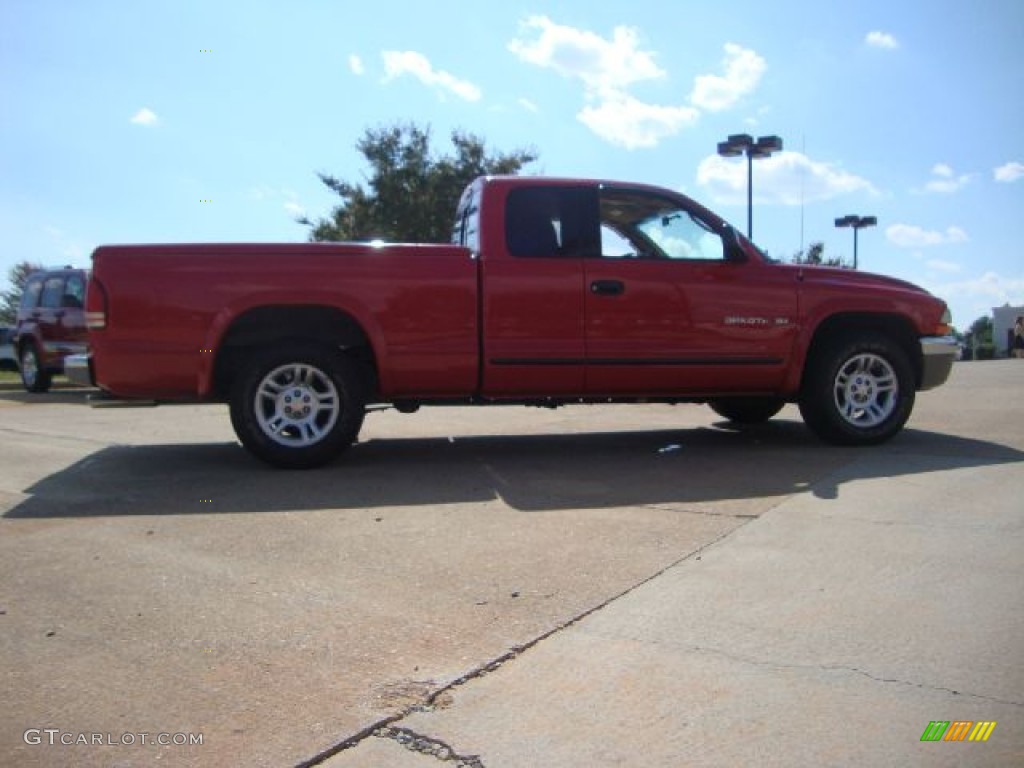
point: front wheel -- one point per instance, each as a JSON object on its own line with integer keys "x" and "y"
{"x": 34, "y": 377}
{"x": 298, "y": 407}
{"x": 859, "y": 392}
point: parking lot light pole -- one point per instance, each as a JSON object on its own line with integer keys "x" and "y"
{"x": 743, "y": 144}
{"x": 857, "y": 223}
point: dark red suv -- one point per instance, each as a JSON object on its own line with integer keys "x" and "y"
{"x": 50, "y": 325}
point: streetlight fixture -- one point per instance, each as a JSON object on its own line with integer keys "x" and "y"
{"x": 858, "y": 223}
{"x": 744, "y": 144}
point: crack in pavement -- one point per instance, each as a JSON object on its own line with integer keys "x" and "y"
{"x": 700, "y": 512}
{"x": 427, "y": 745}
{"x": 493, "y": 664}
{"x": 820, "y": 667}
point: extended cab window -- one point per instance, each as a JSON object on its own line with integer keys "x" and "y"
{"x": 466, "y": 231}
{"x": 552, "y": 221}
{"x": 641, "y": 225}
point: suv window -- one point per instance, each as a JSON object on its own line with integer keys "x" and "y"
{"x": 30, "y": 298}
{"x": 74, "y": 292}
{"x": 53, "y": 290}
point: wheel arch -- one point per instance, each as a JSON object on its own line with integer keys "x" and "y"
{"x": 24, "y": 341}
{"x": 267, "y": 326}
{"x": 846, "y": 324}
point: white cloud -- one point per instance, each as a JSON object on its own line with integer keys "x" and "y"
{"x": 145, "y": 117}
{"x": 945, "y": 181}
{"x": 291, "y": 205}
{"x": 528, "y": 105}
{"x": 355, "y": 65}
{"x": 398, "y": 63}
{"x": 972, "y": 298}
{"x": 606, "y": 68}
{"x": 623, "y": 120}
{"x": 989, "y": 290}
{"x": 785, "y": 178}
{"x": 287, "y": 198}
{"x": 882, "y": 40}
{"x": 260, "y": 192}
{"x": 601, "y": 64}
{"x": 909, "y": 236}
{"x": 1009, "y": 172}
{"x": 743, "y": 70}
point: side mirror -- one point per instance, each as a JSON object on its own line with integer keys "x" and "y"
{"x": 733, "y": 250}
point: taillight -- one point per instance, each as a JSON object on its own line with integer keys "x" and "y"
{"x": 95, "y": 306}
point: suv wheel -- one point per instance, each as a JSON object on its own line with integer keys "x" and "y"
{"x": 33, "y": 376}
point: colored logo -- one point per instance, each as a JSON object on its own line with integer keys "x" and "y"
{"x": 958, "y": 730}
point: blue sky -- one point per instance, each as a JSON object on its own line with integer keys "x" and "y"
{"x": 207, "y": 121}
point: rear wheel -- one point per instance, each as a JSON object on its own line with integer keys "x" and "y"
{"x": 747, "y": 410}
{"x": 859, "y": 392}
{"x": 34, "y": 377}
{"x": 298, "y": 407}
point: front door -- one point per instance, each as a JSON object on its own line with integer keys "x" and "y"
{"x": 672, "y": 308}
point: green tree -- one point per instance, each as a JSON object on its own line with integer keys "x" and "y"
{"x": 411, "y": 194}
{"x": 981, "y": 330}
{"x": 10, "y": 298}
{"x": 979, "y": 339}
{"x": 815, "y": 255}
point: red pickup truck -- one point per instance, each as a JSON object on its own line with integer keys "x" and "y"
{"x": 552, "y": 291}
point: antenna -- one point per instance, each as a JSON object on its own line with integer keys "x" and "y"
{"x": 803, "y": 174}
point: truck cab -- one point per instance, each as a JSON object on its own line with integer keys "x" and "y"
{"x": 621, "y": 290}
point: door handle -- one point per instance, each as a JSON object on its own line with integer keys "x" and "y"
{"x": 608, "y": 287}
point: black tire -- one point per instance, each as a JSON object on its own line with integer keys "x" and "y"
{"x": 274, "y": 399}
{"x": 747, "y": 410}
{"x": 34, "y": 377}
{"x": 858, "y": 391}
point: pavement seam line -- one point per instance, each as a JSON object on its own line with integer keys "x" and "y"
{"x": 55, "y": 436}
{"x": 427, "y": 745}
{"x": 428, "y": 704}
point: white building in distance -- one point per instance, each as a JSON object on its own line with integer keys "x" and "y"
{"x": 1003, "y": 319}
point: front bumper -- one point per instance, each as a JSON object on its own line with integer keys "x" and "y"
{"x": 937, "y": 356}
{"x": 78, "y": 369}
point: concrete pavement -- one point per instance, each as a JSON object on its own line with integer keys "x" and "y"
{"x": 830, "y": 631}
{"x": 591, "y": 586}
{"x": 154, "y": 578}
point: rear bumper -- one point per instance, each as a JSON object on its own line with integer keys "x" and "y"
{"x": 78, "y": 369}
{"x": 937, "y": 356}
